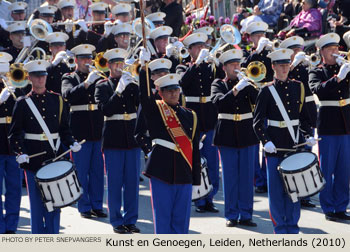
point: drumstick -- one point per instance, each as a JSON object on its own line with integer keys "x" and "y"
{"x": 302, "y": 144}
{"x": 64, "y": 153}
{"x": 283, "y": 149}
{"x": 203, "y": 138}
{"x": 37, "y": 154}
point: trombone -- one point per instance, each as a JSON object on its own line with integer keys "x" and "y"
{"x": 101, "y": 63}
{"x": 255, "y": 72}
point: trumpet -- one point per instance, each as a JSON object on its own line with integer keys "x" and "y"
{"x": 340, "y": 59}
{"x": 69, "y": 61}
{"x": 273, "y": 45}
{"x": 255, "y": 72}
{"x": 313, "y": 60}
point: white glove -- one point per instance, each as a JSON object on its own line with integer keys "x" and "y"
{"x": 108, "y": 28}
{"x": 204, "y": 53}
{"x": 311, "y": 141}
{"x": 269, "y": 147}
{"x": 242, "y": 84}
{"x": 339, "y": 60}
{"x": 170, "y": 50}
{"x": 5, "y": 94}
{"x": 82, "y": 25}
{"x": 344, "y": 70}
{"x": 24, "y": 158}
{"x": 3, "y": 24}
{"x": 298, "y": 58}
{"x": 76, "y": 33}
{"x": 75, "y": 147}
{"x": 200, "y": 145}
{"x": 124, "y": 81}
{"x": 68, "y": 25}
{"x": 261, "y": 45}
{"x": 59, "y": 57}
{"x": 92, "y": 77}
{"x": 145, "y": 56}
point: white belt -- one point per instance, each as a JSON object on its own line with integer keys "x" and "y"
{"x": 85, "y": 107}
{"x": 339, "y": 103}
{"x": 5, "y": 120}
{"x": 39, "y": 137}
{"x": 165, "y": 144}
{"x": 199, "y": 99}
{"x": 309, "y": 98}
{"x": 282, "y": 124}
{"x": 125, "y": 117}
{"x": 235, "y": 117}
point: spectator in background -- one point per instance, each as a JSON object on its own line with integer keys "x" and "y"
{"x": 308, "y": 21}
{"x": 173, "y": 17}
{"x": 269, "y": 10}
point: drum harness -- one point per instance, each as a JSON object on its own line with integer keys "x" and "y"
{"x": 43, "y": 125}
{"x": 284, "y": 112}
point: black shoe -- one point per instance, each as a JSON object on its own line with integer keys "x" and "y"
{"x": 98, "y": 213}
{"x": 87, "y": 214}
{"x": 200, "y": 209}
{"x": 247, "y": 223}
{"x": 342, "y": 216}
{"x": 132, "y": 228}
{"x": 307, "y": 203}
{"x": 10, "y": 232}
{"x": 121, "y": 229}
{"x": 210, "y": 207}
{"x": 231, "y": 223}
{"x": 331, "y": 216}
{"x": 261, "y": 189}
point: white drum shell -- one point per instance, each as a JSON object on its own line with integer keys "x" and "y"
{"x": 202, "y": 190}
{"x": 62, "y": 190}
{"x": 303, "y": 181}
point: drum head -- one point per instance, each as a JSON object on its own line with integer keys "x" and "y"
{"x": 54, "y": 170}
{"x": 297, "y": 161}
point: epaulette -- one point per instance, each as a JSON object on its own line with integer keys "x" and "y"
{"x": 297, "y": 81}
{"x": 52, "y": 92}
{"x": 266, "y": 84}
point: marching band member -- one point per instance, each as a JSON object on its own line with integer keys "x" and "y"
{"x": 119, "y": 38}
{"x": 86, "y": 122}
{"x": 57, "y": 14}
{"x": 281, "y": 132}
{"x": 158, "y": 68}
{"x": 121, "y": 11}
{"x": 27, "y": 138}
{"x": 9, "y": 172}
{"x": 17, "y": 31}
{"x": 18, "y": 13}
{"x": 300, "y": 73}
{"x": 208, "y": 31}
{"x": 67, "y": 10}
{"x": 235, "y": 138}
{"x": 57, "y": 46}
{"x": 256, "y": 31}
{"x": 174, "y": 163}
{"x": 160, "y": 37}
{"x": 196, "y": 86}
{"x": 157, "y": 18}
{"x": 118, "y": 99}
{"x": 330, "y": 82}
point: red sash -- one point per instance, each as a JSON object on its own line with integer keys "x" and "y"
{"x": 177, "y": 133}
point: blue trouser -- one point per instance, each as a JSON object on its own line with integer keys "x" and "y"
{"x": 41, "y": 221}
{"x": 123, "y": 172}
{"x": 283, "y": 212}
{"x": 260, "y": 171}
{"x": 171, "y": 205}
{"x": 211, "y": 153}
{"x": 89, "y": 164}
{"x": 238, "y": 174}
{"x": 10, "y": 171}
{"x": 335, "y": 166}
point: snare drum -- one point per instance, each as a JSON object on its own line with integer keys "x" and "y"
{"x": 301, "y": 175}
{"x": 201, "y": 191}
{"x": 59, "y": 185}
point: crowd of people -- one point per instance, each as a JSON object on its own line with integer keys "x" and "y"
{"x": 86, "y": 87}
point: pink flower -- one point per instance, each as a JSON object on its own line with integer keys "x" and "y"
{"x": 221, "y": 20}
{"x": 227, "y": 20}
